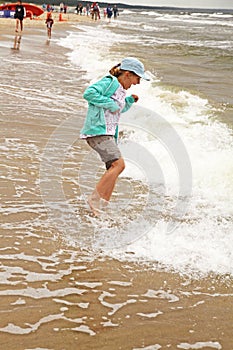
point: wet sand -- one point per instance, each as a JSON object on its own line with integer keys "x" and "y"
{"x": 56, "y": 294}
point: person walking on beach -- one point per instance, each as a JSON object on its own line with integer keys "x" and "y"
{"x": 49, "y": 22}
{"x": 115, "y": 12}
{"x": 109, "y": 13}
{"x": 94, "y": 11}
{"x": 106, "y": 101}
{"x": 61, "y": 7}
{"x": 19, "y": 16}
{"x": 87, "y": 9}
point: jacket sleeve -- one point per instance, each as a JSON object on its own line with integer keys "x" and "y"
{"x": 95, "y": 94}
{"x": 129, "y": 100}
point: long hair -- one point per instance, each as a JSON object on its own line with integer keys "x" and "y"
{"x": 116, "y": 71}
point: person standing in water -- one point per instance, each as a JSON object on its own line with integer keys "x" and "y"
{"x": 109, "y": 13}
{"x": 115, "y": 11}
{"x": 49, "y": 22}
{"x": 106, "y": 101}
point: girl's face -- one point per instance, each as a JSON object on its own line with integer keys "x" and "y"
{"x": 128, "y": 79}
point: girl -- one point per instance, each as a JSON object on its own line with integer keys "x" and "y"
{"x": 106, "y": 100}
{"x": 49, "y": 21}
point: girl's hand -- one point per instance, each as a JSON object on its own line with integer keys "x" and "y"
{"x": 135, "y": 98}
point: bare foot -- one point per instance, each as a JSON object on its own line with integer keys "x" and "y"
{"x": 94, "y": 202}
{"x": 94, "y": 210}
{"x": 97, "y": 204}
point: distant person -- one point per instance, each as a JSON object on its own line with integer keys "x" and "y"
{"x": 98, "y": 10}
{"x": 61, "y": 7}
{"x": 109, "y": 13}
{"x": 49, "y": 22}
{"x": 80, "y": 9}
{"x": 115, "y": 12}
{"x": 19, "y": 15}
{"x": 94, "y": 11}
{"x": 88, "y": 9}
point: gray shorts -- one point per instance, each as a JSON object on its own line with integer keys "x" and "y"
{"x": 106, "y": 147}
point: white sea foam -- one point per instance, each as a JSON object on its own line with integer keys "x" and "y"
{"x": 150, "y": 347}
{"x": 194, "y": 18}
{"x": 200, "y": 345}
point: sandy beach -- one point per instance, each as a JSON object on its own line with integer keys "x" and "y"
{"x": 7, "y": 24}
{"x": 55, "y": 293}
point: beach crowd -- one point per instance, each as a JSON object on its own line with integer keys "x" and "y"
{"x": 91, "y": 9}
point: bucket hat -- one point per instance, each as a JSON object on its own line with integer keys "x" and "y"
{"x": 132, "y": 64}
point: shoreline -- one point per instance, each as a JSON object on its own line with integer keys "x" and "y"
{"x": 7, "y": 24}
{"x": 35, "y": 26}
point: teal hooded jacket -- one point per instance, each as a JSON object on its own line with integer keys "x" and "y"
{"x": 98, "y": 96}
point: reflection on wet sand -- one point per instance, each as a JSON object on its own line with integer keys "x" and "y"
{"x": 17, "y": 41}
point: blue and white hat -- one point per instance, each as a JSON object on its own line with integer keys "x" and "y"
{"x": 134, "y": 65}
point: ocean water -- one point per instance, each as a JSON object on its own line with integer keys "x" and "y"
{"x": 155, "y": 271}
{"x": 189, "y": 59}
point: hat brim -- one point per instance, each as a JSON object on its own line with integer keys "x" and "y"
{"x": 145, "y": 77}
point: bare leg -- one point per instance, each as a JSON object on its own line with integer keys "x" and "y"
{"x": 106, "y": 185}
{"x": 49, "y": 33}
{"x": 17, "y": 25}
{"x": 107, "y": 182}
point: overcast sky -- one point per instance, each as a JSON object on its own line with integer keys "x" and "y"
{"x": 212, "y": 4}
